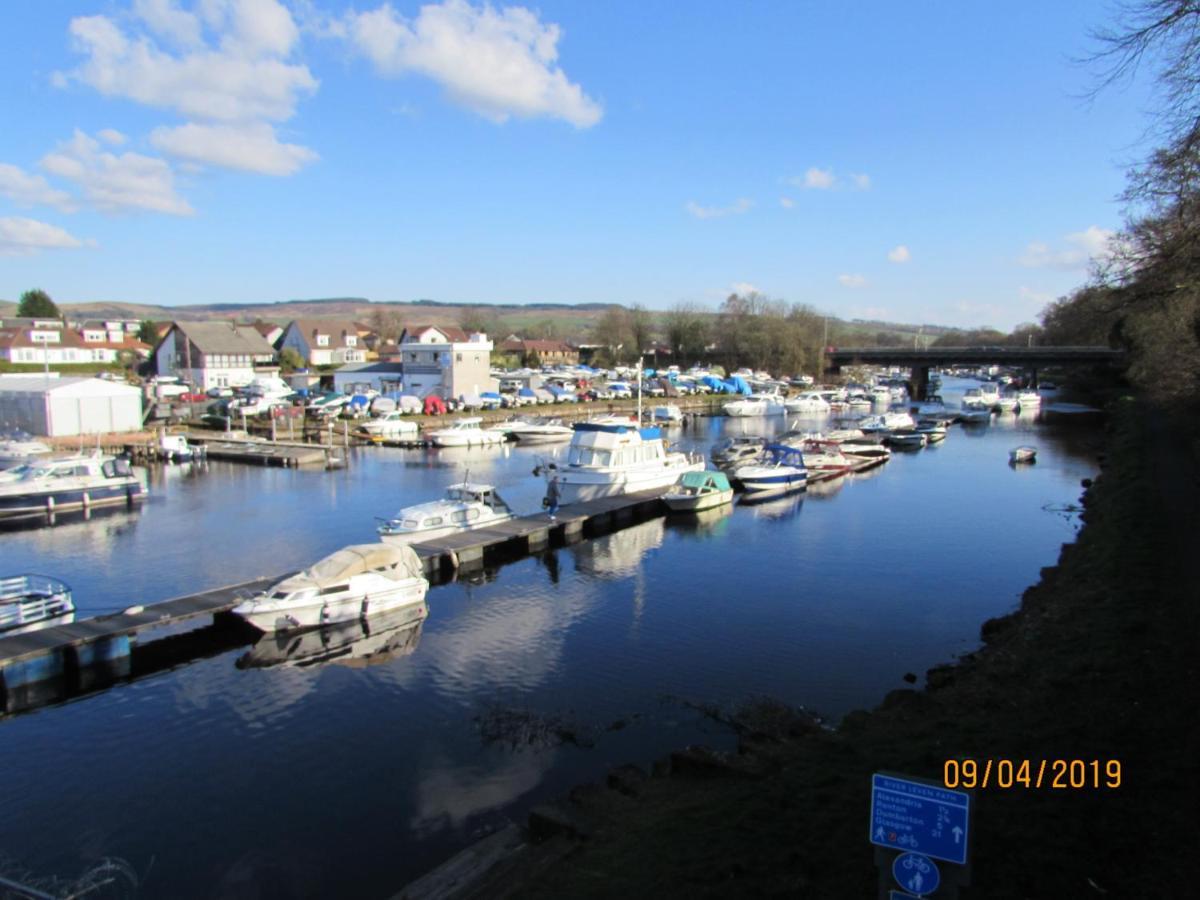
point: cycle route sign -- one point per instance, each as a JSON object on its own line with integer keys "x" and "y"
{"x": 923, "y": 818}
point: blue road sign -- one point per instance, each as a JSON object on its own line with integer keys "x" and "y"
{"x": 916, "y": 873}
{"x": 912, "y": 815}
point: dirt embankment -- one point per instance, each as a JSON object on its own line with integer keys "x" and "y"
{"x": 1097, "y": 664}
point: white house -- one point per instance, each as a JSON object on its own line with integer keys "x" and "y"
{"x": 212, "y": 354}
{"x": 62, "y": 407}
{"x": 445, "y": 361}
{"x": 324, "y": 342}
{"x": 32, "y": 341}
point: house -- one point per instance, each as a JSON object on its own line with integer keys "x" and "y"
{"x": 379, "y": 376}
{"x": 324, "y": 342}
{"x": 444, "y": 361}
{"x": 556, "y": 353}
{"x": 49, "y": 342}
{"x": 213, "y": 354}
{"x": 270, "y": 332}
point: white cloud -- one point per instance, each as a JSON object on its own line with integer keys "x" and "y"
{"x": 738, "y": 207}
{"x": 852, "y": 281}
{"x": 819, "y": 179}
{"x": 25, "y": 189}
{"x": 168, "y": 21}
{"x": 499, "y": 63}
{"x": 1078, "y": 249}
{"x": 861, "y": 182}
{"x": 116, "y": 183}
{"x": 244, "y": 76}
{"x": 111, "y": 136}
{"x": 250, "y": 148}
{"x": 22, "y": 237}
{"x": 787, "y": 202}
{"x": 899, "y": 254}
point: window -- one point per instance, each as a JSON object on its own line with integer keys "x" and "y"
{"x": 458, "y": 357}
{"x": 322, "y": 340}
{"x": 351, "y": 340}
{"x": 434, "y": 522}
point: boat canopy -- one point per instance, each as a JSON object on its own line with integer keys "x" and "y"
{"x": 782, "y": 455}
{"x": 705, "y": 480}
{"x": 355, "y": 560}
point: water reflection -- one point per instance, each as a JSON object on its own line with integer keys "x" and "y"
{"x": 707, "y": 523}
{"x": 777, "y": 508}
{"x": 619, "y": 554}
{"x": 823, "y": 490}
{"x": 449, "y": 793}
{"x": 366, "y": 642}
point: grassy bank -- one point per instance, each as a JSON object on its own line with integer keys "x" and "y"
{"x": 1097, "y": 663}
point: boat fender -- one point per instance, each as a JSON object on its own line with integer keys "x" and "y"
{"x": 133, "y": 610}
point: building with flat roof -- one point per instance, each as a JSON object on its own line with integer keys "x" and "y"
{"x": 62, "y": 407}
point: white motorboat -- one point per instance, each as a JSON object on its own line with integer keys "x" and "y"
{"x": 465, "y": 506}
{"x": 1024, "y": 454}
{"x": 1008, "y": 402}
{"x": 907, "y": 440}
{"x": 781, "y": 471}
{"x": 466, "y": 432}
{"x": 537, "y": 430}
{"x": 609, "y": 459}
{"x": 865, "y": 449}
{"x": 888, "y": 421}
{"x": 809, "y": 402}
{"x": 824, "y": 457}
{"x": 18, "y": 447}
{"x": 697, "y": 491}
{"x": 353, "y": 583}
{"x": 975, "y": 413}
{"x": 733, "y": 451}
{"x": 175, "y": 448}
{"x": 32, "y": 602}
{"x": 933, "y": 405}
{"x": 933, "y": 430}
{"x": 668, "y": 415}
{"x": 756, "y": 405}
{"x": 68, "y": 483}
{"x": 390, "y": 426}
{"x": 1029, "y": 398}
{"x": 989, "y": 392}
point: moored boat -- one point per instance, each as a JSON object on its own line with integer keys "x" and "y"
{"x": 756, "y": 405}
{"x": 906, "y": 440}
{"x": 466, "y": 432}
{"x": 31, "y": 602}
{"x": 392, "y": 425}
{"x": 68, "y": 483}
{"x": 536, "y": 430}
{"x": 809, "y": 402}
{"x": 824, "y": 457}
{"x": 18, "y": 447}
{"x": 696, "y": 491}
{"x": 734, "y": 451}
{"x": 780, "y": 471}
{"x": 465, "y": 506}
{"x": 353, "y": 583}
{"x": 1024, "y": 454}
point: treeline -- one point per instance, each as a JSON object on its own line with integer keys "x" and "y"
{"x": 1144, "y": 296}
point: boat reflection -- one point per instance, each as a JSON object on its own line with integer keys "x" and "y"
{"x": 619, "y": 554}
{"x": 358, "y": 644}
{"x": 707, "y": 523}
{"x": 774, "y": 508}
{"x": 823, "y": 490}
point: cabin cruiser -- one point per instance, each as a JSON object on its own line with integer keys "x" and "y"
{"x": 175, "y": 448}
{"x": 32, "y": 602}
{"x": 17, "y": 447}
{"x": 466, "y": 433}
{"x": 933, "y": 429}
{"x": 68, "y": 483}
{"x": 536, "y": 430}
{"x": 391, "y": 426}
{"x": 734, "y": 451}
{"x": 466, "y": 505}
{"x": 697, "y": 491}
{"x": 888, "y": 421}
{"x": 756, "y": 405}
{"x": 353, "y": 583}
{"x": 781, "y": 471}
{"x": 823, "y": 456}
{"x": 609, "y": 459}
{"x": 933, "y": 405}
{"x": 975, "y": 414}
{"x": 907, "y": 439}
{"x": 668, "y": 415}
{"x": 808, "y": 402}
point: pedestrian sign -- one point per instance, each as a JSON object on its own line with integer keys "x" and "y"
{"x": 914, "y": 816}
{"x": 916, "y": 873}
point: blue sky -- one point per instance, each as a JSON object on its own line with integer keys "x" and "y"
{"x": 922, "y": 162}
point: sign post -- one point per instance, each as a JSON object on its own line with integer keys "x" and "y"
{"x": 913, "y": 823}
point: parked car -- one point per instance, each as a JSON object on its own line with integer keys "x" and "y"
{"x": 217, "y": 392}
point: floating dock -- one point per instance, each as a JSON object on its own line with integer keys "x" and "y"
{"x": 288, "y": 454}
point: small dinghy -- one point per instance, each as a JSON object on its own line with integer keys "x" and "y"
{"x": 1022, "y": 455}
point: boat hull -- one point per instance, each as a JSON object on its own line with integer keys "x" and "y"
{"x": 416, "y": 537}
{"x": 697, "y": 502}
{"x": 464, "y": 440}
{"x": 35, "y": 503}
{"x": 767, "y": 483}
{"x": 577, "y": 487}
{"x": 541, "y": 437}
{"x": 269, "y": 617}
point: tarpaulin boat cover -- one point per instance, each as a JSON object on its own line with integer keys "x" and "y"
{"x": 701, "y": 480}
{"x": 354, "y": 560}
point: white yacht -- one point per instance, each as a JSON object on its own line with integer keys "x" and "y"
{"x": 756, "y": 405}
{"x": 67, "y": 483}
{"x": 466, "y": 433}
{"x": 609, "y": 459}
{"x": 808, "y": 402}
{"x": 889, "y": 421}
{"x": 537, "y": 430}
{"x": 32, "y": 602}
{"x": 352, "y": 583}
{"x": 17, "y": 447}
{"x": 391, "y": 426}
{"x": 824, "y": 456}
{"x": 466, "y": 505}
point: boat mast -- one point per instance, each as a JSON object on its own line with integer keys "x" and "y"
{"x": 639, "y": 378}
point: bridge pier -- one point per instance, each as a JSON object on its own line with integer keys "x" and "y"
{"x": 919, "y": 383}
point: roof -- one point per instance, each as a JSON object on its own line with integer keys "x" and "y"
{"x": 453, "y": 334}
{"x": 337, "y": 329}
{"x": 224, "y": 337}
{"x": 265, "y": 328}
{"x": 520, "y": 345}
{"x": 76, "y": 386}
{"x": 382, "y": 368}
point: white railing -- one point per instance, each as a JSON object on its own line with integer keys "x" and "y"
{"x": 25, "y": 599}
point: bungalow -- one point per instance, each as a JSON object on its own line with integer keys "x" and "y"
{"x": 213, "y": 354}
{"x": 324, "y": 342}
{"x": 557, "y": 353}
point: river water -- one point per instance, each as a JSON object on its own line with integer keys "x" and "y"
{"x": 346, "y": 779}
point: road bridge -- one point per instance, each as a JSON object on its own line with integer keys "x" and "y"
{"x": 920, "y": 361}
